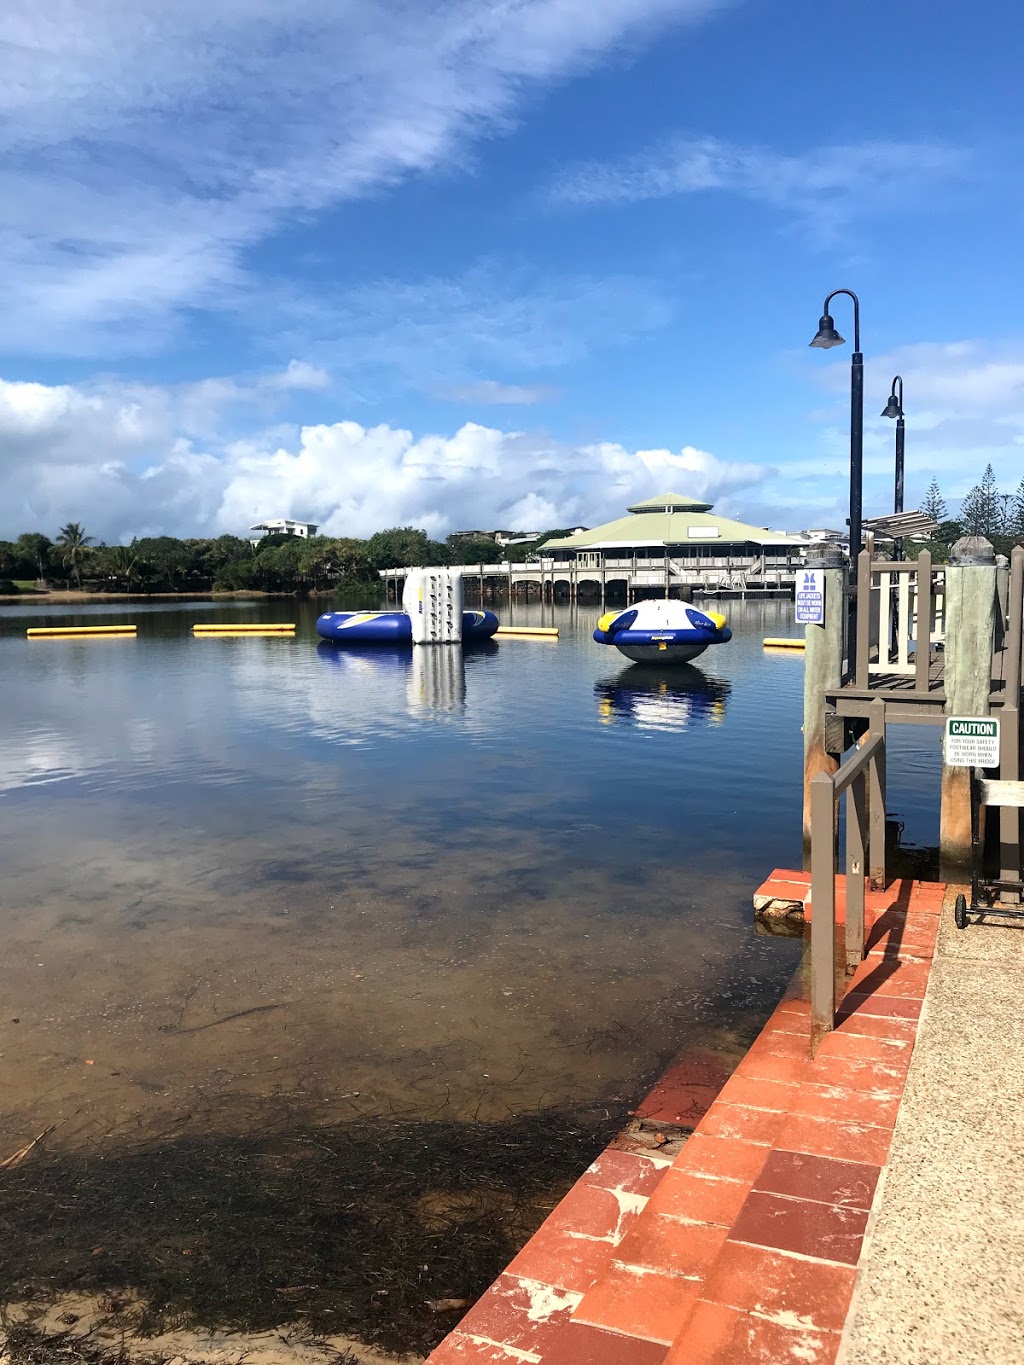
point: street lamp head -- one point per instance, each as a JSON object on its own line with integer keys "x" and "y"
{"x": 894, "y": 407}
{"x": 827, "y": 336}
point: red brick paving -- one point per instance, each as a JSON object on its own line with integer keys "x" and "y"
{"x": 743, "y": 1251}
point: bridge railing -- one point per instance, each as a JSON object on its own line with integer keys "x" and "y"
{"x": 861, "y": 777}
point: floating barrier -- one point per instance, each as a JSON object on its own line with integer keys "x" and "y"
{"x": 245, "y": 628}
{"x": 662, "y": 631}
{"x": 244, "y": 635}
{"x": 393, "y": 627}
{"x": 538, "y": 632}
{"x": 85, "y": 632}
{"x": 783, "y": 642}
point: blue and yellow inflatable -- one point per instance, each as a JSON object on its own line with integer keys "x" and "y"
{"x": 393, "y": 627}
{"x": 662, "y": 631}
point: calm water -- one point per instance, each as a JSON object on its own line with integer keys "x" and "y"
{"x": 265, "y": 887}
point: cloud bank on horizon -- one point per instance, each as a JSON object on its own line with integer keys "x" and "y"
{"x": 119, "y": 461}
{"x": 133, "y": 460}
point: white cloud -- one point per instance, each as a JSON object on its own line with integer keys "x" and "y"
{"x": 122, "y": 463}
{"x": 147, "y": 146}
{"x": 491, "y": 391}
{"x": 825, "y": 184}
{"x": 964, "y": 405}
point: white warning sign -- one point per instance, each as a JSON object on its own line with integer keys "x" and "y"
{"x": 972, "y": 742}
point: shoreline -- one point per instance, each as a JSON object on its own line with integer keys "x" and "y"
{"x": 73, "y": 595}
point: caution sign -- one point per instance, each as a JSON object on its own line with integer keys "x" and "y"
{"x": 972, "y": 742}
{"x": 810, "y": 597}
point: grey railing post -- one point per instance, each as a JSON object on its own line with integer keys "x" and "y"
{"x": 970, "y": 636}
{"x": 823, "y": 909}
{"x": 856, "y": 842}
{"x": 859, "y": 666}
{"x": 923, "y": 657}
{"x": 876, "y": 798}
{"x": 823, "y": 672}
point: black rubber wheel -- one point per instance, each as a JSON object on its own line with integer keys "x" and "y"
{"x": 960, "y": 912}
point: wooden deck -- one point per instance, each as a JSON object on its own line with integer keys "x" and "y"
{"x": 904, "y": 701}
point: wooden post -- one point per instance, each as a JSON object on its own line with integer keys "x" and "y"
{"x": 857, "y": 838}
{"x": 1011, "y": 819}
{"x": 970, "y": 633}
{"x": 876, "y": 799}
{"x": 823, "y": 670}
{"x": 823, "y": 910}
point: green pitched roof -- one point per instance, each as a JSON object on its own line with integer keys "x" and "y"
{"x": 691, "y": 526}
{"x": 672, "y": 502}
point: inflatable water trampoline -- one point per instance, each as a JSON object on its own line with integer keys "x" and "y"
{"x": 662, "y": 631}
{"x": 393, "y": 627}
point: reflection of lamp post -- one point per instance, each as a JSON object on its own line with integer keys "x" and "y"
{"x": 827, "y": 337}
{"x": 894, "y": 408}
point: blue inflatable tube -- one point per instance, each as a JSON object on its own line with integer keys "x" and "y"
{"x": 662, "y": 631}
{"x": 393, "y": 627}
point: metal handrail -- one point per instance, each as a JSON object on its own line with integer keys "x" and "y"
{"x": 862, "y": 778}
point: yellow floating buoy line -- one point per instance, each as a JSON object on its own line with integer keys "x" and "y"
{"x": 85, "y": 632}
{"x": 783, "y": 642}
{"x": 239, "y": 629}
{"x": 538, "y": 632}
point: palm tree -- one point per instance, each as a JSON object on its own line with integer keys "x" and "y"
{"x": 125, "y": 563}
{"x": 75, "y": 546}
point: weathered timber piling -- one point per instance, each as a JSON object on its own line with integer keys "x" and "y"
{"x": 823, "y": 671}
{"x": 972, "y": 607}
{"x": 1011, "y": 820}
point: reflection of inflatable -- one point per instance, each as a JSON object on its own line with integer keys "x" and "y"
{"x": 436, "y": 681}
{"x": 653, "y": 698}
{"x": 662, "y": 631}
{"x": 393, "y": 627}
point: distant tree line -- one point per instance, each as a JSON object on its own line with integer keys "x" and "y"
{"x": 277, "y": 563}
{"x": 985, "y": 511}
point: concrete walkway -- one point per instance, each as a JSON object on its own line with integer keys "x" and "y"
{"x": 942, "y": 1274}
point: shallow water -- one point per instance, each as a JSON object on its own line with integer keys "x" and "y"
{"x": 264, "y": 886}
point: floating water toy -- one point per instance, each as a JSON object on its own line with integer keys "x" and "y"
{"x": 393, "y": 627}
{"x": 662, "y": 631}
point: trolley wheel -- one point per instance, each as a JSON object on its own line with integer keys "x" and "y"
{"x": 960, "y": 912}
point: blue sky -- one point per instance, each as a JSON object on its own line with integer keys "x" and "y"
{"x": 500, "y": 262}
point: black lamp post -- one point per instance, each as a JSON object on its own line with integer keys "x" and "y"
{"x": 825, "y": 339}
{"x": 894, "y": 408}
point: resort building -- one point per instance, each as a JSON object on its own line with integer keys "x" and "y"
{"x": 666, "y": 546}
{"x": 673, "y": 539}
{"x": 283, "y": 526}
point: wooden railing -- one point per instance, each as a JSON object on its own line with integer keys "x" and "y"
{"x": 894, "y": 598}
{"x": 861, "y": 776}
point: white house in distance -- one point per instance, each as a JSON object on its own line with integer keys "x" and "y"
{"x": 283, "y": 526}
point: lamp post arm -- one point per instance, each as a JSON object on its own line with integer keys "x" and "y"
{"x": 856, "y": 312}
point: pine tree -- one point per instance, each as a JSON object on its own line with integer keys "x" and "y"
{"x": 934, "y": 504}
{"x": 981, "y": 512}
{"x": 1015, "y": 529}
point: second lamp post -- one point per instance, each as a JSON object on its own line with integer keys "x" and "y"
{"x": 894, "y": 408}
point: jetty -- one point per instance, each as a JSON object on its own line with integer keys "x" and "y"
{"x": 851, "y": 1192}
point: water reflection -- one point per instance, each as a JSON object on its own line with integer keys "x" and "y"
{"x": 650, "y": 697}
